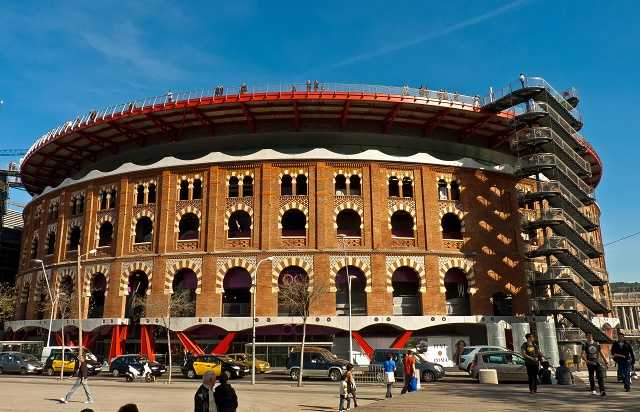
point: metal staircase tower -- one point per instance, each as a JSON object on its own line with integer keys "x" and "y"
{"x": 546, "y": 142}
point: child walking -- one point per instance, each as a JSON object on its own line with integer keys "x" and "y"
{"x": 344, "y": 394}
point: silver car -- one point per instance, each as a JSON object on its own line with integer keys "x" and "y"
{"x": 17, "y": 362}
{"x": 469, "y": 353}
{"x": 509, "y": 365}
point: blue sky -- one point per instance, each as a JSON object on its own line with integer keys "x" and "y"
{"x": 61, "y": 58}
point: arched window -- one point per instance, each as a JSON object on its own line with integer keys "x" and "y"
{"x": 184, "y": 190}
{"x": 74, "y": 238}
{"x": 183, "y": 299}
{"x": 291, "y": 279}
{"x": 106, "y": 234}
{"x": 34, "y": 248}
{"x": 286, "y": 186}
{"x": 406, "y": 292}
{"x": 236, "y": 299}
{"x": 80, "y": 205}
{"x": 197, "y": 189}
{"x": 455, "y": 190}
{"x": 394, "y": 187}
{"x": 151, "y": 196}
{"x": 451, "y": 226}
{"x": 233, "y": 187}
{"x": 247, "y": 186}
{"x": 137, "y": 295}
{"x": 103, "y": 200}
{"x": 51, "y": 243}
{"x": 355, "y": 188}
{"x": 502, "y": 304}
{"x": 294, "y": 223}
{"x": 140, "y": 195}
{"x": 340, "y": 185}
{"x": 348, "y": 222}
{"x": 301, "y": 185}
{"x": 112, "y": 199}
{"x": 96, "y": 301}
{"x": 407, "y": 187}
{"x": 443, "y": 191}
{"x": 189, "y": 227}
{"x": 144, "y": 230}
{"x": 456, "y": 292}
{"x": 239, "y": 225}
{"x": 358, "y": 294}
{"x": 402, "y": 224}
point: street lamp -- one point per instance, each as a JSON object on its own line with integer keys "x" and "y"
{"x": 79, "y": 293}
{"x": 254, "y": 286}
{"x": 346, "y": 267}
{"x": 44, "y": 274}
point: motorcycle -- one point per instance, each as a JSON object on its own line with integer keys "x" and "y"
{"x": 134, "y": 373}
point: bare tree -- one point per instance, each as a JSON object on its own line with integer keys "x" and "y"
{"x": 180, "y": 304}
{"x": 298, "y": 296}
{"x": 7, "y": 302}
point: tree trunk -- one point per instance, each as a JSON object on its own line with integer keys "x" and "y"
{"x": 304, "y": 336}
{"x": 169, "y": 345}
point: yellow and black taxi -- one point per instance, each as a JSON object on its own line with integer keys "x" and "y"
{"x": 219, "y": 364}
{"x": 245, "y": 358}
{"x": 55, "y": 363}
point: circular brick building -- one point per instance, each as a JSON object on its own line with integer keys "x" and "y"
{"x": 429, "y": 200}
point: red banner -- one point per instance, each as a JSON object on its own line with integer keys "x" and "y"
{"x": 147, "y": 347}
{"x": 368, "y": 350}
{"x": 223, "y": 346}
{"x": 188, "y": 344}
{"x": 402, "y": 340}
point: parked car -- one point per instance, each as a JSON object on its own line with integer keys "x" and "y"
{"x": 245, "y": 359}
{"x": 200, "y": 365}
{"x": 318, "y": 362}
{"x": 233, "y": 369}
{"x": 54, "y": 363}
{"x": 469, "y": 353}
{"x": 509, "y": 365}
{"x": 48, "y": 350}
{"x": 429, "y": 371}
{"x": 17, "y": 362}
{"x": 119, "y": 365}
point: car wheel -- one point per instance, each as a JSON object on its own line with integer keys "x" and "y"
{"x": 428, "y": 376}
{"x": 115, "y": 373}
{"x": 191, "y": 374}
{"x": 294, "y": 374}
{"x": 48, "y": 372}
{"x": 335, "y": 375}
{"x": 23, "y": 371}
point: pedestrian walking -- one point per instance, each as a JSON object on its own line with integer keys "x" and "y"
{"x": 83, "y": 373}
{"x": 532, "y": 355}
{"x": 351, "y": 385}
{"x": 344, "y": 394}
{"x": 204, "y": 400}
{"x": 225, "y": 396}
{"x": 592, "y": 354}
{"x": 389, "y": 374}
{"x": 315, "y": 85}
{"x": 624, "y": 357}
{"x": 522, "y": 79}
{"x": 408, "y": 366}
{"x": 308, "y": 85}
{"x": 563, "y": 374}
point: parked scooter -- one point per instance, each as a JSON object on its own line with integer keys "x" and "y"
{"x": 134, "y": 373}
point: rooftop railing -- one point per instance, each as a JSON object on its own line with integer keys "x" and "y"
{"x": 222, "y": 92}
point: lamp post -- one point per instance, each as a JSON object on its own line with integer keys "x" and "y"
{"x": 254, "y": 286}
{"x": 44, "y": 273}
{"x": 79, "y": 293}
{"x": 346, "y": 267}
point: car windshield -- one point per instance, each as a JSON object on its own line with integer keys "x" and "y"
{"x": 225, "y": 358}
{"x": 467, "y": 350}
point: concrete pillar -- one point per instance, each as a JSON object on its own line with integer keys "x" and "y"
{"x": 518, "y": 330}
{"x": 495, "y": 334}
{"x": 548, "y": 340}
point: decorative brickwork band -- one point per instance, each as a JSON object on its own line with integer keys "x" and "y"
{"x": 416, "y": 263}
{"x": 91, "y": 270}
{"x": 464, "y": 264}
{"x": 280, "y": 263}
{"x": 338, "y": 262}
{"x": 173, "y": 266}
{"x": 128, "y": 268}
{"x": 224, "y": 264}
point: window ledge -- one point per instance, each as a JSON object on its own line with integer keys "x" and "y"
{"x": 403, "y": 237}
{"x": 186, "y": 240}
{"x": 293, "y": 237}
{"x": 454, "y": 240}
{"x": 141, "y": 243}
{"x": 239, "y": 238}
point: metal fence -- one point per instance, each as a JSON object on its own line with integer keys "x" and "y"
{"x": 369, "y": 374}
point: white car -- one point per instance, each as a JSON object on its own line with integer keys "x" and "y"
{"x": 469, "y": 353}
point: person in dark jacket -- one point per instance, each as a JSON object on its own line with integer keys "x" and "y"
{"x": 204, "y": 399}
{"x": 83, "y": 373}
{"x": 625, "y": 358}
{"x": 563, "y": 374}
{"x": 225, "y": 396}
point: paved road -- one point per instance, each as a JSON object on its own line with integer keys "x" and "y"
{"x": 278, "y": 394}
